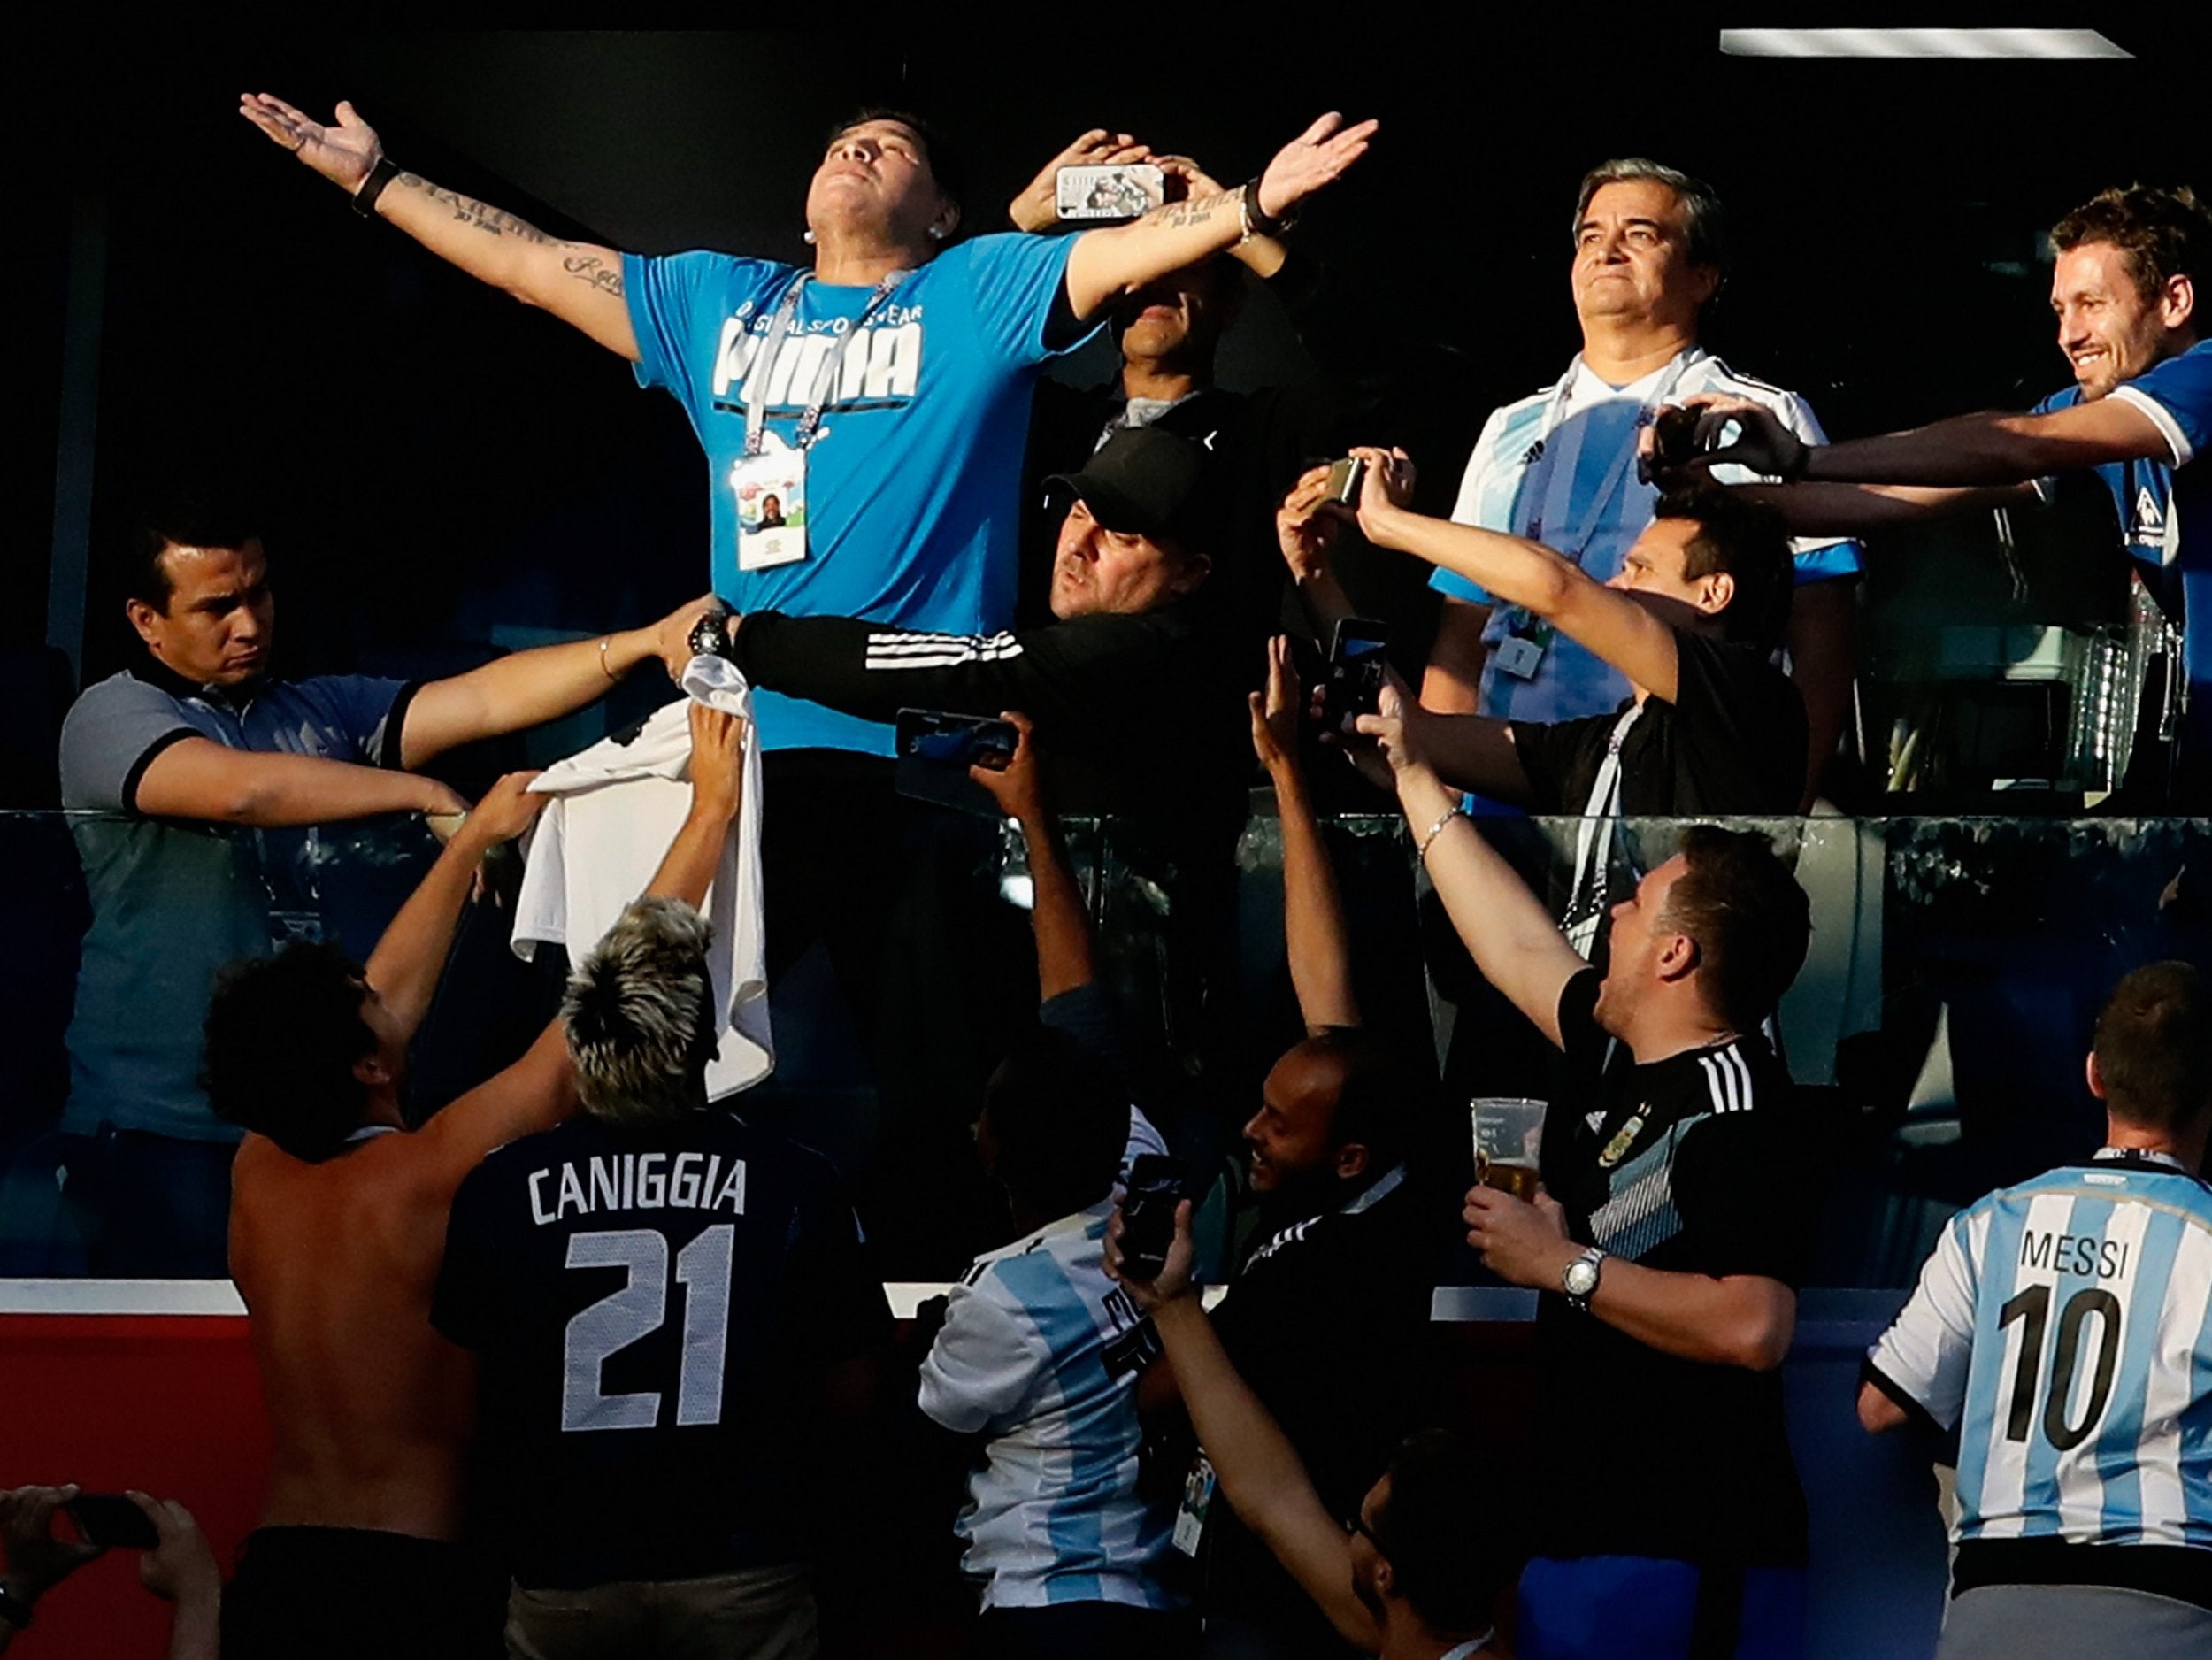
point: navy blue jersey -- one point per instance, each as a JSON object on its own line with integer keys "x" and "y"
{"x": 654, "y": 1310}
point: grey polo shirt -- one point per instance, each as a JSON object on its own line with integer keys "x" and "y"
{"x": 174, "y": 900}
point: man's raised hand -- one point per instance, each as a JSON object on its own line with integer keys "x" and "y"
{"x": 1174, "y": 1278}
{"x": 1038, "y": 206}
{"x": 1319, "y": 154}
{"x": 671, "y": 635}
{"x": 1275, "y": 717}
{"x": 1016, "y": 788}
{"x": 507, "y": 810}
{"x": 1304, "y": 531}
{"x": 718, "y": 759}
{"x": 1763, "y": 443}
{"x": 345, "y": 153}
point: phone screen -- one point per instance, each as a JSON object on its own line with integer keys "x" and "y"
{"x": 111, "y": 1519}
{"x": 959, "y": 742}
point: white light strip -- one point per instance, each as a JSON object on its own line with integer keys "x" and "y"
{"x": 2042, "y": 44}
{"x": 220, "y": 1296}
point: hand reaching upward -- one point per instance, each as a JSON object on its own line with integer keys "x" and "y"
{"x": 344, "y": 154}
{"x": 1316, "y": 156}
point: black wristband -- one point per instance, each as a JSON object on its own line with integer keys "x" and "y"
{"x": 1795, "y": 471}
{"x": 1256, "y": 217}
{"x": 373, "y": 186}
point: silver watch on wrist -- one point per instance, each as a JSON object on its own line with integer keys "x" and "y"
{"x": 1580, "y": 1280}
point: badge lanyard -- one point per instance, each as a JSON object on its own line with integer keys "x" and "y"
{"x": 1559, "y": 461}
{"x": 763, "y": 377}
{"x": 1593, "y": 840}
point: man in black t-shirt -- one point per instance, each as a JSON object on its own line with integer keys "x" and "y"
{"x": 1674, "y": 1222}
{"x": 664, "y": 1302}
{"x": 1693, "y": 620}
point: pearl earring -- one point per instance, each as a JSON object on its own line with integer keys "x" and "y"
{"x": 937, "y": 233}
{"x": 809, "y": 237}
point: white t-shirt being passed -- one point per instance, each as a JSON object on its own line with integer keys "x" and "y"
{"x": 614, "y": 808}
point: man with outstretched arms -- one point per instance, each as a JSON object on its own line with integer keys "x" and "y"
{"x": 883, "y": 397}
{"x": 890, "y": 382}
{"x": 199, "y": 776}
{"x": 338, "y": 1223}
{"x": 1560, "y": 467}
{"x": 2061, "y": 1328}
{"x": 1673, "y": 1224}
{"x": 2124, "y": 289}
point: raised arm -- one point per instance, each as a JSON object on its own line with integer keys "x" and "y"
{"x": 1308, "y": 538}
{"x": 408, "y": 960}
{"x": 1313, "y": 915}
{"x": 1506, "y": 928}
{"x": 543, "y": 684}
{"x": 539, "y": 1090}
{"x": 579, "y": 283}
{"x": 1259, "y": 1470}
{"x": 198, "y": 778}
{"x": 1990, "y": 448}
{"x": 718, "y": 793}
{"x": 1106, "y": 262}
{"x": 1056, "y": 913}
{"x": 1522, "y": 573}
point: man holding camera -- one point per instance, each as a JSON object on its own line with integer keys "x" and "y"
{"x": 1560, "y": 468}
{"x": 2124, "y": 288}
{"x": 1672, "y": 1226}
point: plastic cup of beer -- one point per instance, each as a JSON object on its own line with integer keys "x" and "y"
{"x": 1509, "y": 1136}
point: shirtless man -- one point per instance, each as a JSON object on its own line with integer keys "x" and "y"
{"x": 337, "y": 1227}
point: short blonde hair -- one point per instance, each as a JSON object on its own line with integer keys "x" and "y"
{"x": 640, "y": 1017}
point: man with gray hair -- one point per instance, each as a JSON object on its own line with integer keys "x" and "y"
{"x": 1560, "y": 467}
{"x": 663, "y": 1300}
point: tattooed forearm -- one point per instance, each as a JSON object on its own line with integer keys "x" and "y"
{"x": 1198, "y": 211}
{"x": 589, "y": 268}
{"x": 479, "y": 215}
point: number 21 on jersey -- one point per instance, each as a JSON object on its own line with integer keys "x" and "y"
{"x": 615, "y": 1321}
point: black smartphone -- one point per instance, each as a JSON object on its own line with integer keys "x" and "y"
{"x": 956, "y": 740}
{"x": 1358, "y": 659}
{"x": 1148, "y": 1214}
{"x": 108, "y": 1519}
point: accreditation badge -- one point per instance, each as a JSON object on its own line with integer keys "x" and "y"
{"x": 1521, "y": 653}
{"x": 771, "y": 492}
{"x": 1198, "y": 1497}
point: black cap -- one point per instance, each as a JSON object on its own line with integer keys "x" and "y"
{"x": 1146, "y": 482}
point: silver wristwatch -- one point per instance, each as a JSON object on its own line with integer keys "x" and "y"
{"x": 1580, "y": 1280}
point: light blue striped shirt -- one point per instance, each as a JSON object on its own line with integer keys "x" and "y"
{"x": 1510, "y": 486}
{"x": 2065, "y": 1326}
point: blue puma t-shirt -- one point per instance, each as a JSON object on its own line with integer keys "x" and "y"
{"x": 912, "y": 479}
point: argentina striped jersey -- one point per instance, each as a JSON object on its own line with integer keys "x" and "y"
{"x": 2065, "y": 1326}
{"x": 1585, "y": 423}
{"x": 1041, "y": 1352}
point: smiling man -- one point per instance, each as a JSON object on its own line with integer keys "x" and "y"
{"x": 1675, "y": 1219}
{"x": 2124, "y": 289}
{"x": 1559, "y": 468}
{"x": 200, "y": 777}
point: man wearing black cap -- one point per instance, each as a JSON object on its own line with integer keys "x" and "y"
{"x": 1136, "y": 707}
